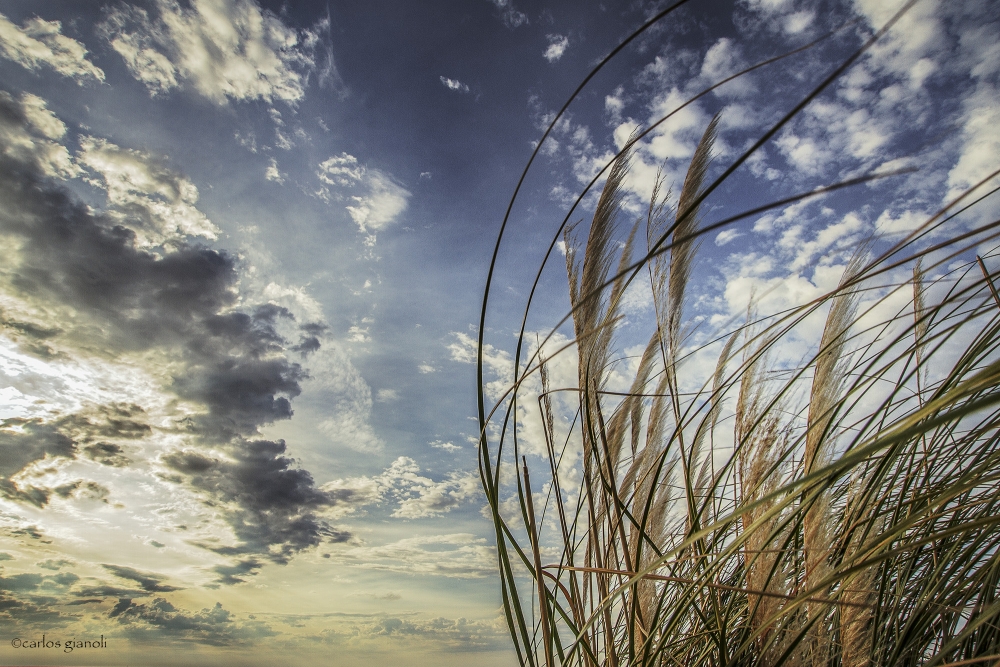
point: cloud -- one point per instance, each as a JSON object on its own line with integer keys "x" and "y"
{"x": 225, "y": 49}
{"x": 274, "y": 502}
{"x": 416, "y": 496}
{"x": 557, "y": 47}
{"x": 459, "y": 634}
{"x": 980, "y": 140}
{"x": 497, "y": 362}
{"x": 272, "y": 173}
{"x": 511, "y": 17}
{"x": 725, "y": 236}
{"x": 85, "y": 285}
{"x": 460, "y": 555}
{"x": 159, "y": 618}
{"x": 29, "y": 133}
{"x": 41, "y": 42}
{"x": 383, "y": 203}
{"x": 149, "y": 582}
{"x": 340, "y": 170}
{"x": 453, "y": 84}
{"x": 420, "y": 497}
{"x": 23, "y": 442}
{"x": 157, "y": 202}
{"x": 378, "y": 201}
{"x": 449, "y": 447}
{"x": 26, "y": 600}
{"x": 386, "y": 395}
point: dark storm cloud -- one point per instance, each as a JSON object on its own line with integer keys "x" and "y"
{"x": 275, "y": 500}
{"x": 108, "y": 591}
{"x": 52, "y": 564}
{"x": 27, "y": 613}
{"x": 159, "y": 618}
{"x": 307, "y": 345}
{"x": 28, "y": 329}
{"x": 31, "y": 532}
{"x": 233, "y": 574}
{"x": 149, "y": 582}
{"x": 111, "y": 296}
{"x": 27, "y": 599}
{"x": 107, "y": 453}
{"x": 24, "y": 441}
{"x": 241, "y": 394}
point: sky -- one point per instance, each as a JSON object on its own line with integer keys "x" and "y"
{"x": 244, "y": 251}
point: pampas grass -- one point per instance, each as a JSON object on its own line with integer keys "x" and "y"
{"x": 845, "y": 511}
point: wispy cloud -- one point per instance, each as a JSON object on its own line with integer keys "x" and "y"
{"x": 144, "y": 193}
{"x": 373, "y": 199}
{"x": 273, "y": 174}
{"x": 453, "y": 84}
{"x": 225, "y": 50}
{"x": 415, "y": 496}
{"x": 460, "y": 555}
{"x": 557, "y": 47}
{"x": 41, "y": 43}
{"x": 512, "y": 18}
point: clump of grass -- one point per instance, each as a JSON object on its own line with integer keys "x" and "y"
{"x": 842, "y": 512}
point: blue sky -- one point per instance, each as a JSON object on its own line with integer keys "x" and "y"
{"x": 245, "y": 248}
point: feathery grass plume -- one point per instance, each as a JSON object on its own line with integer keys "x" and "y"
{"x": 673, "y": 274}
{"x": 761, "y": 434}
{"x": 831, "y": 368}
{"x": 842, "y": 513}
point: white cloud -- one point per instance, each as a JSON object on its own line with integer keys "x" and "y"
{"x": 498, "y": 362}
{"x": 340, "y": 170}
{"x": 435, "y": 498}
{"x": 980, "y": 140}
{"x": 416, "y": 496}
{"x": 435, "y": 634}
{"x": 725, "y": 236}
{"x": 614, "y": 105}
{"x": 36, "y": 111}
{"x": 381, "y": 200}
{"x": 903, "y": 223}
{"x": 798, "y": 21}
{"x": 768, "y": 5}
{"x": 383, "y": 203}
{"x": 281, "y": 141}
{"x": 357, "y": 334}
{"x": 557, "y": 47}
{"x": 449, "y": 447}
{"x": 917, "y": 33}
{"x": 921, "y": 69}
{"x": 226, "y": 49}
{"x": 157, "y": 201}
{"x": 41, "y": 43}
{"x": 272, "y": 173}
{"x": 460, "y": 555}
{"x": 804, "y": 153}
{"x": 454, "y": 84}
{"x": 386, "y": 395}
{"x": 38, "y": 147}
